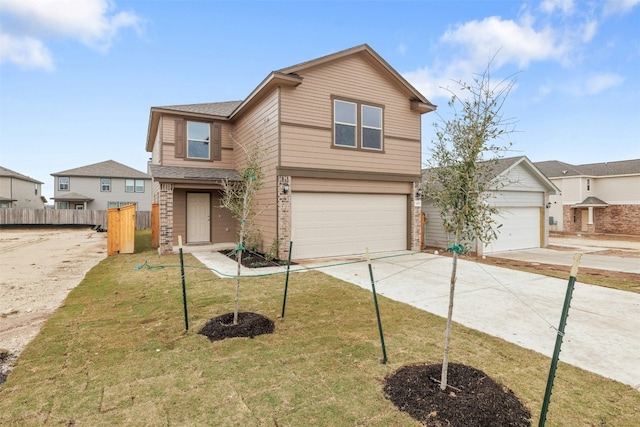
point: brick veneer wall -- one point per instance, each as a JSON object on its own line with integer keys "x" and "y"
{"x": 416, "y": 225}
{"x": 615, "y": 219}
{"x": 284, "y": 217}
{"x": 165, "y": 205}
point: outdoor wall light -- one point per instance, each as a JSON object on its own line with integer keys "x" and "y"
{"x": 285, "y": 188}
{"x": 548, "y": 205}
{"x": 419, "y": 193}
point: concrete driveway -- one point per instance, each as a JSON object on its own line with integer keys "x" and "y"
{"x": 601, "y": 335}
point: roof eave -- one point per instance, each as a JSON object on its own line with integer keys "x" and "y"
{"x": 273, "y": 80}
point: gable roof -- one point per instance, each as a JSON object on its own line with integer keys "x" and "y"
{"x": 107, "y": 169}
{"x": 288, "y": 77}
{"x": 11, "y": 174}
{"x": 557, "y": 169}
{"x": 504, "y": 165}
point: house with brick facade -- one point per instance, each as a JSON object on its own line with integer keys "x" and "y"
{"x": 342, "y": 141}
{"x": 596, "y": 197}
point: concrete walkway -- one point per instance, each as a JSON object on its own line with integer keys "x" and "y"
{"x": 601, "y": 335}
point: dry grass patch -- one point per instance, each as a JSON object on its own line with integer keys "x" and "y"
{"x": 116, "y": 353}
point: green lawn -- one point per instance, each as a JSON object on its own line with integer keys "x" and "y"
{"x": 116, "y": 353}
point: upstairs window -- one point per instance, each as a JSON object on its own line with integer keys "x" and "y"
{"x": 198, "y": 141}
{"x": 345, "y": 123}
{"x": 63, "y": 183}
{"x": 134, "y": 185}
{"x": 357, "y": 125}
{"x": 105, "y": 184}
{"x": 198, "y": 137}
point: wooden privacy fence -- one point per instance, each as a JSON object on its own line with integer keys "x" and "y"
{"x": 121, "y": 232}
{"x": 26, "y": 216}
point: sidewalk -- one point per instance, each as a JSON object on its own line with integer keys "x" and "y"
{"x": 601, "y": 335}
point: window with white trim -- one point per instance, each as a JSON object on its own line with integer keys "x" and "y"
{"x": 120, "y": 204}
{"x": 105, "y": 184}
{"x": 63, "y": 183}
{"x": 357, "y": 125}
{"x": 134, "y": 185}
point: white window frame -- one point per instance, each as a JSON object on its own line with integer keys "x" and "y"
{"x": 105, "y": 185}
{"x": 201, "y": 141}
{"x": 133, "y": 185}
{"x": 359, "y": 127}
{"x": 64, "y": 183}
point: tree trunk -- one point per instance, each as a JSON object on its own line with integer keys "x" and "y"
{"x": 447, "y": 337}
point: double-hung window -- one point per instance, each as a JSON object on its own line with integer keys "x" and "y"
{"x": 134, "y": 185}
{"x": 357, "y": 125}
{"x": 198, "y": 137}
{"x": 63, "y": 183}
{"x": 105, "y": 184}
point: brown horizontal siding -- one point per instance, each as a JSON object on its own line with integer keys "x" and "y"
{"x": 354, "y": 186}
{"x": 310, "y": 103}
{"x": 310, "y": 147}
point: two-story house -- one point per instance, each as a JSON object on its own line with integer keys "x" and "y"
{"x": 20, "y": 191}
{"x": 102, "y": 186}
{"x": 596, "y": 197}
{"x": 342, "y": 164}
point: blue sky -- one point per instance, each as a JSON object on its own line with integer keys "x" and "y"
{"x": 77, "y": 78}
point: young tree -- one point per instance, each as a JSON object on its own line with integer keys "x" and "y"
{"x": 239, "y": 198}
{"x": 461, "y": 171}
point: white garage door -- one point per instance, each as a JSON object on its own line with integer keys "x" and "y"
{"x": 326, "y": 224}
{"x": 520, "y": 230}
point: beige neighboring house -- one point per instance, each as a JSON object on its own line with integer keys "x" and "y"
{"x": 102, "y": 186}
{"x": 595, "y": 197}
{"x": 342, "y": 137}
{"x": 522, "y": 203}
{"x": 20, "y": 191}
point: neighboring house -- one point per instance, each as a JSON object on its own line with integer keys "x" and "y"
{"x": 596, "y": 197}
{"x": 102, "y": 186}
{"x": 522, "y": 202}
{"x": 20, "y": 191}
{"x": 342, "y": 164}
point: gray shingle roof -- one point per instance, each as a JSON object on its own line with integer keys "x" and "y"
{"x": 189, "y": 173}
{"x": 76, "y": 197}
{"x": 223, "y": 109}
{"x": 592, "y": 201}
{"x": 11, "y": 174}
{"x": 554, "y": 168}
{"x": 108, "y": 169}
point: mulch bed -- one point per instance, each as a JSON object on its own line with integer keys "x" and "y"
{"x": 249, "y": 325}
{"x": 477, "y": 400}
{"x": 252, "y": 259}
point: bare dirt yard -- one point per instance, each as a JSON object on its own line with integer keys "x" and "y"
{"x": 38, "y": 268}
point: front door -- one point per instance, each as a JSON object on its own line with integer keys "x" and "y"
{"x": 198, "y": 218}
{"x": 584, "y": 219}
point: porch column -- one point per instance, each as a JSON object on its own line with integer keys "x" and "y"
{"x": 590, "y": 215}
{"x": 165, "y": 206}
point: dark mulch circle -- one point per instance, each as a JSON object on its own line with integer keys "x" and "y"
{"x": 249, "y": 325}
{"x": 251, "y": 259}
{"x": 479, "y": 400}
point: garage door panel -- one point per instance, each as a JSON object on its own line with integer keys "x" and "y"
{"x": 520, "y": 230}
{"x": 326, "y": 224}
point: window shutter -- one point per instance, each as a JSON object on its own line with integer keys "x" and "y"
{"x": 216, "y": 142}
{"x": 179, "y": 139}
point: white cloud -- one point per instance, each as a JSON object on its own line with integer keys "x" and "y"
{"x": 551, "y": 6}
{"x": 92, "y": 22}
{"x": 25, "y": 52}
{"x": 601, "y": 82}
{"x": 519, "y": 44}
{"x": 619, "y": 7}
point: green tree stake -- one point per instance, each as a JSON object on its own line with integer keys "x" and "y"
{"x": 556, "y": 351}
{"x": 286, "y": 281}
{"x": 375, "y": 302}
{"x": 184, "y": 287}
